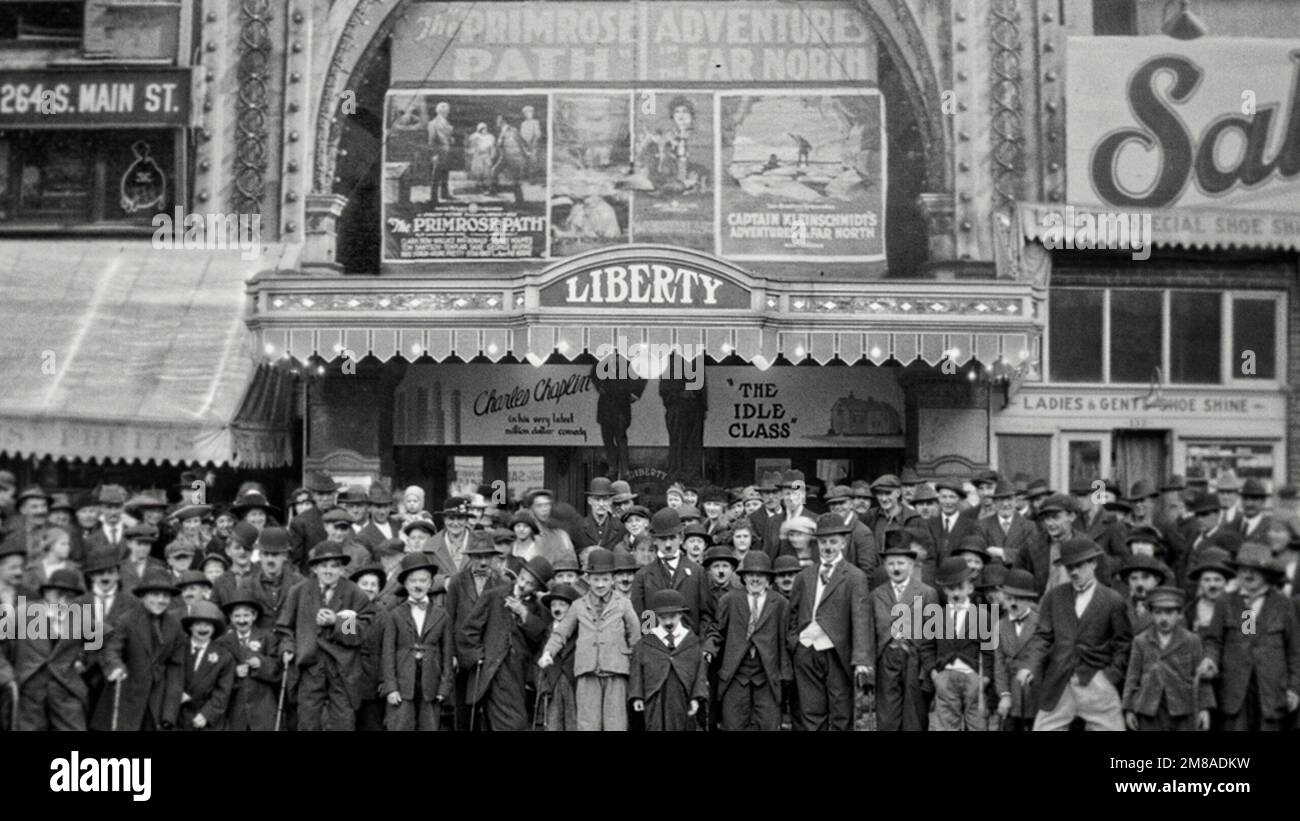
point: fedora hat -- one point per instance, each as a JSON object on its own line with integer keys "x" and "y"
{"x": 1204, "y": 503}
{"x": 984, "y": 476}
{"x": 720, "y": 553}
{"x": 190, "y": 577}
{"x": 622, "y": 491}
{"x": 974, "y": 543}
{"x": 1142, "y": 489}
{"x": 886, "y": 482}
{"x": 250, "y": 500}
{"x": 1037, "y": 488}
{"x": 839, "y": 493}
{"x": 1258, "y": 556}
{"x": 379, "y": 495}
{"x": 412, "y": 562}
{"x": 206, "y": 611}
{"x": 1004, "y": 489}
{"x": 666, "y": 522}
{"x": 64, "y": 579}
{"x": 540, "y": 569}
{"x": 793, "y": 479}
{"x": 1019, "y": 583}
{"x": 600, "y": 560}
{"x": 831, "y": 524}
{"x": 560, "y": 592}
{"x": 667, "y": 601}
{"x": 325, "y": 551}
{"x": 1079, "y": 549}
{"x": 156, "y": 581}
{"x": 770, "y": 482}
{"x": 600, "y": 486}
{"x": 756, "y": 561}
{"x": 353, "y": 495}
{"x": 98, "y": 561}
{"x": 924, "y": 493}
{"x": 1227, "y": 482}
{"x": 952, "y": 572}
{"x": 909, "y": 476}
{"x": 1253, "y": 488}
{"x": 112, "y": 495}
{"x": 480, "y": 544}
{"x": 950, "y": 483}
{"x": 185, "y": 511}
{"x": 318, "y": 481}
{"x": 61, "y": 501}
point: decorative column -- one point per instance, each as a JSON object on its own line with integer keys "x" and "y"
{"x": 322, "y": 212}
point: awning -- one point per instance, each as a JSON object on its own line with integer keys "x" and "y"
{"x": 113, "y": 350}
{"x": 1090, "y": 226}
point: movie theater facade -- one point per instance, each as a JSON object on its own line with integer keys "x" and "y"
{"x": 547, "y": 241}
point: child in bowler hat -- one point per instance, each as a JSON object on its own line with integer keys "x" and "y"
{"x": 669, "y": 677}
{"x": 257, "y": 664}
{"x": 209, "y": 670}
{"x": 555, "y": 685}
{"x": 417, "y": 651}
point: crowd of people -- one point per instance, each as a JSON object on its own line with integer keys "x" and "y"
{"x": 773, "y": 606}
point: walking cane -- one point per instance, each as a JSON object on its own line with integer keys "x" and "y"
{"x": 279, "y": 709}
{"x": 13, "y": 713}
{"x": 981, "y": 702}
{"x": 537, "y": 707}
{"x": 117, "y": 704}
{"x": 473, "y": 711}
{"x": 1196, "y": 700}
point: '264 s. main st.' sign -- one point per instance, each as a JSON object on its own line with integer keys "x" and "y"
{"x": 1157, "y": 123}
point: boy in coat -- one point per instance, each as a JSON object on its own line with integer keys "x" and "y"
{"x": 109, "y": 603}
{"x": 369, "y": 580}
{"x": 52, "y": 694}
{"x": 1253, "y": 646}
{"x": 417, "y": 674}
{"x": 501, "y": 637}
{"x": 668, "y": 679}
{"x": 555, "y": 686}
{"x": 255, "y": 649}
{"x": 606, "y": 629}
{"x": 829, "y": 631}
{"x": 903, "y": 661}
{"x": 1161, "y": 691}
{"x": 1079, "y": 652}
{"x": 755, "y": 660}
{"x": 209, "y": 671}
{"x": 1017, "y": 704}
{"x": 144, "y": 656}
{"x": 963, "y": 664}
{"x": 321, "y": 628}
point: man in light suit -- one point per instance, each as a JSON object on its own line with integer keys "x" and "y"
{"x": 1008, "y": 532}
{"x": 1079, "y": 652}
{"x": 830, "y": 634}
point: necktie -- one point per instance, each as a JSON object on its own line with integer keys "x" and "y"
{"x": 198, "y": 655}
{"x": 753, "y": 616}
{"x": 243, "y": 642}
{"x": 326, "y": 593}
{"x": 671, "y": 641}
{"x": 1006, "y": 525}
{"x": 947, "y": 525}
{"x": 156, "y": 623}
{"x": 826, "y": 573}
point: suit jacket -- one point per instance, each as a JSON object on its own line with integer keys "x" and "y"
{"x": 209, "y": 686}
{"x": 768, "y": 640}
{"x": 945, "y": 544}
{"x": 253, "y": 701}
{"x": 260, "y": 588}
{"x": 130, "y": 578}
{"x": 402, "y": 644}
{"x": 1104, "y": 528}
{"x": 861, "y": 550}
{"x": 880, "y": 523}
{"x": 1067, "y": 644}
{"x": 603, "y": 644}
{"x": 1271, "y": 651}
{"x": 1156, "y": 673}
{"x": 1011, "y": 654}
{"x": 123, "y": 603}
{"x": 154, "y": 671}
{"x": 99, "y": 539}
{"x": 843, "y": 613}
{"x": 306, "y": 530}
{"x": 56, "y": 657}
{"x": 761, "y": 519}
{"x": 606, "y": 536}
{"x": 886, "y": 612}
{"x": 652, "y": 662}
{"x": 690, "y": 580}
{"x": 1021, "y": 536}
{"x": 459, "y": 603}
{"x": 300, "y": 634}
{"x": 371, "y": 536}
{"x": 491, "y": 631}
{"x": 1260, "y": 531}
{"x": 437, "y": 547}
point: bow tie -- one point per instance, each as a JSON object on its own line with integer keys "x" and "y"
{"x": 421, "y": 604}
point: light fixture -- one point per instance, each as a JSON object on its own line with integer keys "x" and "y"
{"x": 1184, "y": 25}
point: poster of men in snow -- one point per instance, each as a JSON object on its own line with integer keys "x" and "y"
{"x": 802, "y": 174}
{"x": 465, "y": 176}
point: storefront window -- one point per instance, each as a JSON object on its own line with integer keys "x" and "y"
{"x": 465, "y": 475}
{"x": 1075, "y": 321}
{"x": 525, "y": 473}
{"x": 1254, "y": 342}
{"x": 1084, "y": 460}
{"x": 1247, "y": 460}
{"x": 1135, "y": 329}
{"x": 42, "y": 22}
{"x": 1195, "y": 319}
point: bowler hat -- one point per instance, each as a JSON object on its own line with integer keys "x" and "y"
{"x": 1078, "y": 550}
{"x": 757, "y": 561}
{"x": 792, "y": 479}
{"x": 1213, "y": 559}
{"x": 1038, "y": 488}
{"x": 560, "y": 592}
{"x": 112, "y": 495}
{"x": 156, "y": 581}
{"x": 64, "y": 579}
{"x": 320, "y": 482}
{"x": 1253, "y": 488}
{"x": 184, "y": 511}
{"x": 420, "y": 523}
{"x": 1258, "y": 556}
{"x": 886, "y": 482}
{"x": 924, "y": 493}
{"x": 325, "y": 551}
{"x": 898, "y": 543}
{"x": 785, "y": 563}
{"x": 1142, "y": 489}
{"x": 480, "y": 544}
{"x": 839, "y": 493}
{"x": 353, "y": 495}
{"x": 950, "y": 483}
{"x": 666, "y": 522}
{"x": 635, "y": 510}
{"x": 974, "y": 543}
{"x": 622, "y": 491}
{"x": 831, "y": 524}
{"x": 1173, "y": 482}
{"x": 379, "y": 495}
{"x": 566, "y": 562}
{"x": 992, "y": 576}
{"x": 668, "y": 601}
{"x": 243, "y": 598}
{"x": 243, "y": 534}
{"x": 206, "y": 611}
{"x": 1150, "y": 564}
{"x": 1204, "y": 503}
{"x": 686, "y": 512}
{"x": 600, "y": 560}
{"x": 250, "y": 500}
{"x": 190, "y": 577}
{"x": 1004, "y": 490}
{"x": 1055, "y": 503}
{"x": 695, "y": 529}
{"x": 624, "y": 561}
{"x": 600, "y": 486}
{"x": 1144, "y": 533}
{"x": 770, "y": 482}
{"x": 1019, "y": 583}
{"x": 412, "y": 562}
{"x": 1163, "y": 596}
{"x": 97, "y": 562}
{"x": 273, "y": 540}
{"x": 720, "y": 553}
{"x": 540, "y": 569}
{"x": 952, "y": 572}
{"x": 61, "y": 501}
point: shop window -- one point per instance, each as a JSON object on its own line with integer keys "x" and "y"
{"x": 1195, "y": 334}
{"x": 1254, "y": 339}
{"x": 1114, "y": 18}
{"x": 1075, "y": 317}
{"x": 524, "y": 474}
{"x": 1025, "y": 453}
{"x": 79, "y": 178}
{"x": 42, "y": 22}
{"x": 464, "y": 476}
{"x": 1135, "y": 331}
{"x": 1247, "y": 460}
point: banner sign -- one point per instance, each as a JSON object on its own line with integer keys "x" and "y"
{"x": 1157, "y": 123}
{"x": 740, "y": 42}
{"x": 94, "y": 97}
{"x": 656, "y": 280}
{"x": 803, "y": 407}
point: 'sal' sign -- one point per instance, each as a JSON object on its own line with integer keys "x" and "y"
{"x": 653, "y": 282}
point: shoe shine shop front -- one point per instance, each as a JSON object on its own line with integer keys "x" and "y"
{"x": 645, "y": 239}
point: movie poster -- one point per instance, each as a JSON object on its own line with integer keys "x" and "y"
{"x": 465, "y": 176}
{"x": 589, "y": 171}
{"x": 673, "y": 171}
{"x": 802, "y": 175}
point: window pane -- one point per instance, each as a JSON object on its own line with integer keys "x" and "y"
{"x": 1074, "y": 318}
{"x": 525, "y": 473}
{"x": 139, "y": 175}
{"x": 465, "y": 476}
{"x": 1135, "y": 324}
{"x": 1085, "y": 461}
{"x": 1253, "y": 332}
{"x": 56, "y": 177}
{"x": 1195, "y": 331}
